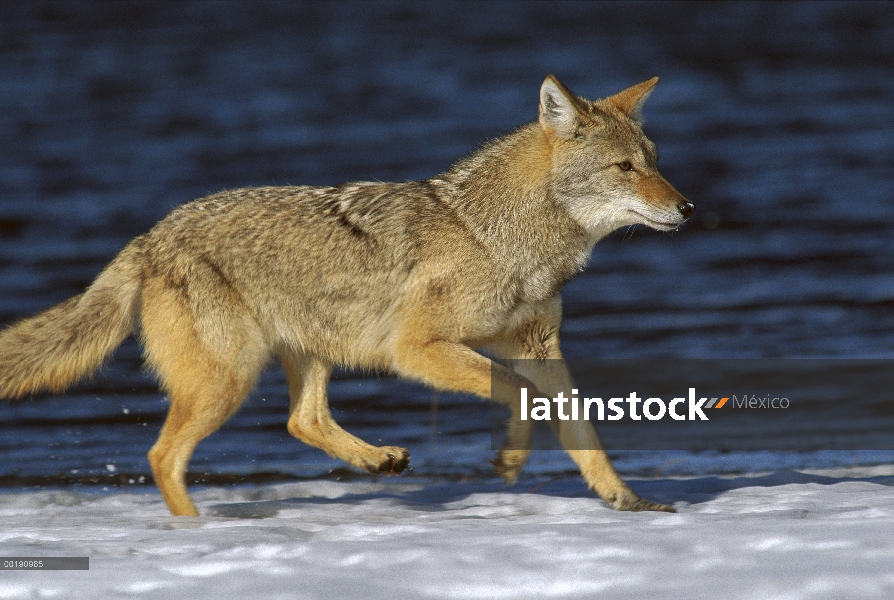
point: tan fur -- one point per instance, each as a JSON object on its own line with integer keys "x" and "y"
{"x": 408, "y": 278}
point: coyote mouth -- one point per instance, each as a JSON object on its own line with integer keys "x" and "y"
{"x": 655, "y": 224}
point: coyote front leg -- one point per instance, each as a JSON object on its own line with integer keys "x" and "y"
{"x": 532, "y": 350}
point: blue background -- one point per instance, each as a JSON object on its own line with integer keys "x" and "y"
{"x": 774, "y": 118}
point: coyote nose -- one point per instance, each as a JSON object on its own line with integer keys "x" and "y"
{"x": 686, "y": 207}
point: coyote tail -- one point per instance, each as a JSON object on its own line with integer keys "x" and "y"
{"x": 54, "y": 349}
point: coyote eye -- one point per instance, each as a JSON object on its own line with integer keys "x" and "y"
{"x": 625, "y": 166}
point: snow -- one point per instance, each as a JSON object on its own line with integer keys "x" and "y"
{"x": 778, "y": 535}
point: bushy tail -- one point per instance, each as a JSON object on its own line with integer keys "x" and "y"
{"x": 59, "y": 346}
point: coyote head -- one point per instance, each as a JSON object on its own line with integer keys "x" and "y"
{"x": 603, "y": 166}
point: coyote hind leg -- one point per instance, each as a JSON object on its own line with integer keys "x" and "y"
{"x": 193, "y": 416}
{"x": 311, "y": 422}
{"x": 205, "y": 386}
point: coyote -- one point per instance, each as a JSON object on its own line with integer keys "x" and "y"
{"x": 408, "y": 278}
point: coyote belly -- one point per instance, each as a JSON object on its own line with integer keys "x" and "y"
{"x": 409, "y": 278}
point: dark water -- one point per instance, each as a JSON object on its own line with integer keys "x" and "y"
{"x": 776, "y": 119}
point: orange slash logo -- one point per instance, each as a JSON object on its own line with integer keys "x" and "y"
{"x": 715, "y": 404}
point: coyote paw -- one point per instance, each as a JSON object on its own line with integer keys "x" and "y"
{"x": 632, "y": 502}
{"x": 508, "y": 464}
{"x": 395, "y": 462}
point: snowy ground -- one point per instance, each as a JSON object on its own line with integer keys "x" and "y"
{"x": 780, "y": 535}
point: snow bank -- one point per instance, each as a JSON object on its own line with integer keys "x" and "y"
{"x": 784, "y": 535}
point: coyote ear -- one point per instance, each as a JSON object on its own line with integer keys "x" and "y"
{"x": 558, "y": 108}
{"x": 631, "y": 100}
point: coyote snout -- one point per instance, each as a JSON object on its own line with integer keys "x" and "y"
{"x": 409, "y": 278}
{"x": 661, "y": 206}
